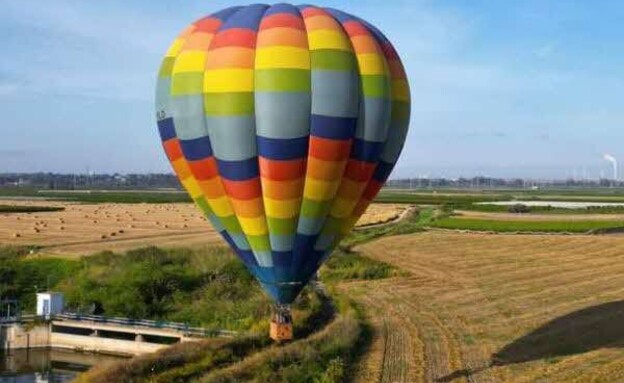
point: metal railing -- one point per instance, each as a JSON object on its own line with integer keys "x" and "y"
{"x": 176, "y": 326}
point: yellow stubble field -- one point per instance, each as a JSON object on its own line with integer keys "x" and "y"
{"x": 84, "y": 228}
{"x": 495, "y": 308}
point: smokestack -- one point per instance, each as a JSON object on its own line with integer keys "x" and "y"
{"x": 613, "y": 161}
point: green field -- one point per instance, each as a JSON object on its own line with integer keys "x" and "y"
{"x": 526, "y": 226}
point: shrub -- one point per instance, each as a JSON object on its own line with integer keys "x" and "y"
{"x": 519, "y": 208}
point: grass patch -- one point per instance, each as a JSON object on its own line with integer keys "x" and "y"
{"x": 205, "y": 287}
{"x": 542, "y": 209}
{"x": 29, "y": 209}
{"x": 342, "y": 266}
{"x": 93, "y": 196}
{"x": 413, "y": 223}
{"x": 322, "y": 357}
{"x": 185, "y": 361}
{"x": 526, "y": 226}
{"x": 22, "y": 276}
{"x": 437, "y": 199}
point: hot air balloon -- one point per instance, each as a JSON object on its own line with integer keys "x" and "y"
{"x": 282, "y": 122}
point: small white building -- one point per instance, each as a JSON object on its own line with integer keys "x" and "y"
{"x": 49, "y": 303}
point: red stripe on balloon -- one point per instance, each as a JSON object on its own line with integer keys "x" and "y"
{"x": 359, "y": 171}
{"x": 282, "y": 170}
{"x": 173, "y": 149}
{"x": 205, "y": 168}
{"x": 355, "y": 28}
{"x": 235, "y": 37}
{"x": 208, "y": 24}
{"x": 243, "y": 190}
{"x": 328, "y": 149}
{"x": 282, "y": 20}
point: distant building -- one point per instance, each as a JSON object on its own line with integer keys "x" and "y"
{"x": 49, "y": 303}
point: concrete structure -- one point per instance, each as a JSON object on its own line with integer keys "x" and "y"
{"x": 90, "y": 336}
{"x": 49, "y": 303}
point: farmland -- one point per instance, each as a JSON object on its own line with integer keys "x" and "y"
{"x": 545, "y": 226}
{"x": 505, "y": 308}
{"x": 72, "y": 228}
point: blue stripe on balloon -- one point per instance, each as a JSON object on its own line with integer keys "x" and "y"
{"x": 196, "y": 149}
{"x": 340, "y": 16}
{"x": 382, "y": 171}
{"x": 282, "y": 149}
{"x": 238, "y": 170}
{"x": 226, "y": 13}
{"x": 368, "y": 151}
{"x": 166, "y": 129}
{"x": 281, "y": 8}
{"x": 282, "y": 258}
{"x": 248, "y": 17}
{"x": 335, "y": 128}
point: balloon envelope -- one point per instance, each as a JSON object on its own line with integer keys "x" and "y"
{"x": 282, "y": 122}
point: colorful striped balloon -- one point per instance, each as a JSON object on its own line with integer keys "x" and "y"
{"x": 282, "y": 122}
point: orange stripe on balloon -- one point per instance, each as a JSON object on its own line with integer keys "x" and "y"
{"x": 212, "y": 188}
{"x": 282, "y": 37}
{"x": 248, "y": 208}
{"x": 323, "y": 170}
{"x": 365, "y": 44}
{"x": 231, "y": 57}
{"x": 180, "y": 166}
{"x": 281, "y": 190}
{"x": 198, "y": 41}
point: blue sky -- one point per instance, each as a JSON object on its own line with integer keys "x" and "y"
{"x": 502, "y": 88}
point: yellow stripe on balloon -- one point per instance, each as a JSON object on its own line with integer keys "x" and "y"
{"x": 400, "y": 90}
{"x": 318, "y": 190}
{"x": 328, "y": 39}
{"x": 192, "y": 187}
{"x": 220, "y": 206}
{"x": 181, "y": 168}
{"x": 253, "y": 226}
{"x": 287, "y": 208}
{"x": 372, "y": 64}
{"x": 190, "y": 61}
{"x": 351, "y": 189}
{"x": 175, "y": 47}
{"x": 342, "y": 207}
{"x": 282, "y": 57}
{"x": 229, "y": 80}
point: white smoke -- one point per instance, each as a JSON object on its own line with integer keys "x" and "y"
{"x": 614, "y": 162}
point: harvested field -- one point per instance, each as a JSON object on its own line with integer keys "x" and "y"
{"x": 380, "y": 213}
{"x": 465, "y": 214}
{"x": 495, "y": 308}
{"x": 88, "y": 228}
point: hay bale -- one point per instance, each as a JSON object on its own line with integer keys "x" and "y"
{"x": 103, "y": 236}
{"x": 16, "y": 235}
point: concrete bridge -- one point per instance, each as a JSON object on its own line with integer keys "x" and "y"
{"x": 100, "y": 334}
